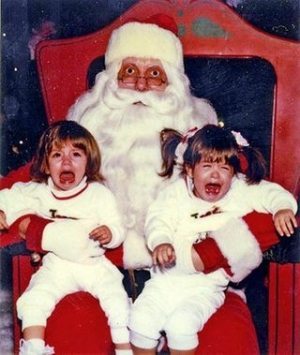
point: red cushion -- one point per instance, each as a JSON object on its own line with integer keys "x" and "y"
{"x": 79, "y": 326}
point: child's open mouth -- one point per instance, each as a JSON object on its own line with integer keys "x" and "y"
{"x": 213, "y": 189}
{"x": 67, "y": 177}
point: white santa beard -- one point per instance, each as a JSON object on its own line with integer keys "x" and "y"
{"x": 131, "y": 163}
{"x": 128, "y": 137}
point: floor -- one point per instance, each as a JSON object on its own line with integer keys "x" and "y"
{"x": 6, "y": 336}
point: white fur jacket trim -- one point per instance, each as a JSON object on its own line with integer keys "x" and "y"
{"x": 240, "y": 247}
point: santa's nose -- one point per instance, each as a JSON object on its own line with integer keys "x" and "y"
{"x": 141, "y": 84}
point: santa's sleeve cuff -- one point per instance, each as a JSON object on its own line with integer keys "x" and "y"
{"x": 239, "y": 247}
{"x": 211, "y": 256}
{"x": 263, "y": 228}
{"x": 34, "y": 233}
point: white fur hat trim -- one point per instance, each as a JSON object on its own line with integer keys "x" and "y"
{"x": 143, "y": 40}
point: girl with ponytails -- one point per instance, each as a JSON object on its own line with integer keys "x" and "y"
{"x": 221, "y": 179}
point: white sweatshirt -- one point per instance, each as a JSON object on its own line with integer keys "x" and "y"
{"x": 76, "y": 212}
{"x": 180, "y": 218}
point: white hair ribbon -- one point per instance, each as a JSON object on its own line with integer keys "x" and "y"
{"x": 241, "y": 141}
{"x": 183, "y": 144}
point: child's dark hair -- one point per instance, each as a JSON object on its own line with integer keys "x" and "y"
{"x": 212, "y": 144}
{"x": 57, "y": 135}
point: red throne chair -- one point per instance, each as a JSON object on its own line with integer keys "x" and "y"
{"x": 207, "y": 29}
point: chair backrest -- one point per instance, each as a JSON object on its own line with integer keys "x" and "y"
{"x": 207, "y": 29}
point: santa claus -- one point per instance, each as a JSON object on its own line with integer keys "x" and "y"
{"x": 143, "y": 90}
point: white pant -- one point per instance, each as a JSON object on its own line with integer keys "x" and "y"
{"x": 57, "y": 278}
{"x": 179, "y": 305}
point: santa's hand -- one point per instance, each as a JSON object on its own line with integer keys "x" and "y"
{"x": 197, "y": 261}
{"x": 23, "y": 227}
{"x": 285, "y": 222}
{"x": 3, "y": 222}
{"x": 164, "y": 255}
{"x": 101, "y": 234}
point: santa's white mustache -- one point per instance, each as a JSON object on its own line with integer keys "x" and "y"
{"x": 120, "y": 98}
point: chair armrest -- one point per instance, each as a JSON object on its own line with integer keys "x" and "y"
{"x": 286, "y": 251}
{"x": 21, "y": 174}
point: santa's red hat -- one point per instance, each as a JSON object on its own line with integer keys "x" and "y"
{"x": 155, "y": 38}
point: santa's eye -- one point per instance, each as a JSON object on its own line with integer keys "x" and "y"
{"x": 130, "y": 71}
{"x": 155, "y": 73}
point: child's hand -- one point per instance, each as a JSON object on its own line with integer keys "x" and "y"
{"x": 285, "y": 222}
{"x": 23, "y": 227}
{"x": 3, "y": 223}
{"x": 197, "y": 261}
{"x": 164, "y": 255}
{"x": 101, "y": 234}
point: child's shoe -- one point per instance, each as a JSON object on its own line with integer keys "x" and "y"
{"x": 35, "y": 347}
